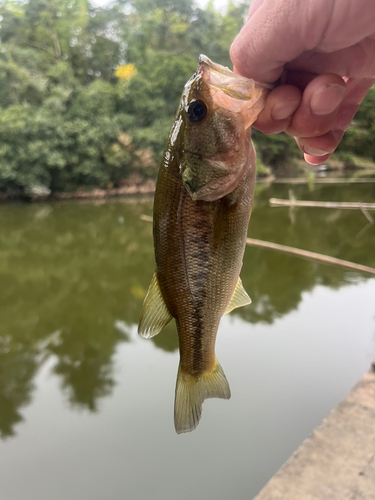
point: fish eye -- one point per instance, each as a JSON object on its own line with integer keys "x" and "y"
{"x": 196, "y": 111}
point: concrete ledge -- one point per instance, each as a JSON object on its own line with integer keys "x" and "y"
{"x": 338, "y": 460}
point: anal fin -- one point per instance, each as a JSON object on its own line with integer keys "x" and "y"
{"x": 239, "y": 298}
{"x": 155, "y": 314}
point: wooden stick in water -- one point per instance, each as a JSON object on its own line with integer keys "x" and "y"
{"x": 324, "y": 180}
{"x": 310, "y": 255}
{"x": 300, "y": 253}
{"x": 147, "y": 218}
{"x": 277, "y": 202}
{"x": 292, "y": 202}
{"x": 367, "y": 215}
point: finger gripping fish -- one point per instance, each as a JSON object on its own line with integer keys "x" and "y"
{"x": 203, "y": 200}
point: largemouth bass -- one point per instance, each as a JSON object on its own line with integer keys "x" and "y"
{"x": 203, "y": 200}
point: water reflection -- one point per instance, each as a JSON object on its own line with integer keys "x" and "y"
{"x": 18, "y": 366}
{"x": 73, "y": 277}
{"x": 67, "y": 272}
{"x": 276, "y": 281}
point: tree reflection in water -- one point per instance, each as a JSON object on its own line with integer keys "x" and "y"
{"x": 71, "y": 273}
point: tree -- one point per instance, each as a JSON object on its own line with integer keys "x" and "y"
{"x": 88, "y": 94}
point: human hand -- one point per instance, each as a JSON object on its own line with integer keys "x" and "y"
{"x": 324, "y": 52}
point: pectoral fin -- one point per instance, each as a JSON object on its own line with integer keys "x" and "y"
{"x": 155, "y": 314}
{"x": 239, "y": 297}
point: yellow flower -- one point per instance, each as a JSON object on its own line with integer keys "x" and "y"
{"x": 126, "y": 71}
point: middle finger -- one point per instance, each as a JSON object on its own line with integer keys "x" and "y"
{"x": 320, "y": 103}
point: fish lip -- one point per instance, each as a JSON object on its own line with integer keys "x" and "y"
{"x": 225, "y": 71}
{"x": 231, "y": 91}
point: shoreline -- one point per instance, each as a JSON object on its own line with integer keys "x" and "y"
{"x": 145, "y": 188}
{"x": 337, "y": 460}
{"x": 148, "y": 187}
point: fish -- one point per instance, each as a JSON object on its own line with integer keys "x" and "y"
{"x": 202, "y": 205}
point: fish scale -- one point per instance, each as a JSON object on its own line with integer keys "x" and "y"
{"x": 202, "y": 206}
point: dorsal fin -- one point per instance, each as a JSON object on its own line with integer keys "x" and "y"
{"x": 239, "y": 297}
{"x": 155, "y": 314}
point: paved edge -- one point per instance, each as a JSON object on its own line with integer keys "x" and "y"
{"x": 338, "y": 460}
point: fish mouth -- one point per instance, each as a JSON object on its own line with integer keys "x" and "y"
{"x": 233, "y": 84}
{"x": 230, "y": 91}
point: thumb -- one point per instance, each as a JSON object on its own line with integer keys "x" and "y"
{"x": 254, "y": 6}
{"x": 275, "y": 33}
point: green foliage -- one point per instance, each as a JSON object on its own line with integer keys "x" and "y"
{"x": 67, "y": 121}
{"x": 358, "y": 140}
{"x": 274, "y": 150}
{"x": 58, "y": 126}
{"x": 61, "y": 146}
{"x": 261, "y": 169}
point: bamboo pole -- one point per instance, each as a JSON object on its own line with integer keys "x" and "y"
{"x": 147, "y": 218}
{"x": 367, "y": 215}
{"x": 302, "y": 180}
{"x": 277, "y": 202}
{"x": 309, "y": 255}
{"x": 300, "y": 253}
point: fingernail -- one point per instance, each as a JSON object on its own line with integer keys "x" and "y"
{"x": 312, "y": 161}
{"x": 326, "y": 99}
{"x": 282, "y": 110}
{"x": 306, "y": 148}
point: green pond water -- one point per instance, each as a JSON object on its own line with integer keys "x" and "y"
{"x": 86, "y": 407}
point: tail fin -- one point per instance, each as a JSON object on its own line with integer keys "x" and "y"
{"x": 191, "y": 391}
